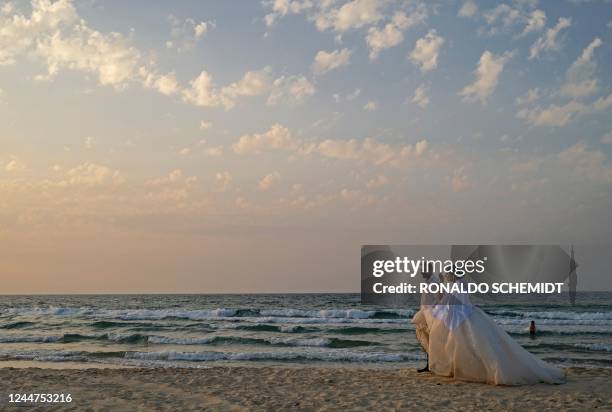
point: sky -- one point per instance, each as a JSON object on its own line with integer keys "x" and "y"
{"x": 254, "y": 146}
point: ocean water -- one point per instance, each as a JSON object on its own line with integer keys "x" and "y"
{"x": 288, "y": 329}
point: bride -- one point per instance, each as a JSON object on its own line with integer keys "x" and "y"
{"x": 462, "y": 342}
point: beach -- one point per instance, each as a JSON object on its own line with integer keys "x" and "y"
{"x": 307, "y": 388}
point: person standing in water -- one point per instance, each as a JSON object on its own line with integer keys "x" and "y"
{"x": 532, "y": 329}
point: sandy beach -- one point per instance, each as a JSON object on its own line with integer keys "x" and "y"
{"x": 310, "y": 388}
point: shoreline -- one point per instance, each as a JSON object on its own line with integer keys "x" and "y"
{"x": 278, "y": 387}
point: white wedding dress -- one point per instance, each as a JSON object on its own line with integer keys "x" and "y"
{"x": 464, "y": 343}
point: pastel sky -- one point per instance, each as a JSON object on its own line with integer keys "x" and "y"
{"x": 254, "y": 146}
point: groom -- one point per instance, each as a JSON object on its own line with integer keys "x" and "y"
{"x": 420, "y": 318}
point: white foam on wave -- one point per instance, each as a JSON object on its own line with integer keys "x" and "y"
{"x": 605, "y": 347}
{"x": 306, "y": 342}
{"x": 322, "y": 356}
{"x": 29, "y": 339}
{"x": 165, "y": 340}
{"x": 220, "y": 313}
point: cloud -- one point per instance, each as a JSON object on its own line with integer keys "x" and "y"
{"x": 606, "y": 138}
{"x": 165, "y": 84}
{"x": 268, "y": 181}
{"x": 536, "y": 22}
{"x": 531, "y": 96}
{"x": 56, "y": 33}
{"x": 549, "y": 40}
{"x": 371, "y": 106}
{"x": 15, "y": 166}
{"x": 391, "y": 34}
{"x": 420, "y": 97}
{"x": 184, "y": 34}
{"x": 351, "y": 15}
{"x": 203, "y": 92}
{"x": 216, "y": 151}
{"x": 590, "y": 164}
{"x": 90, "y": 142}
{"x": 468, "y": 9}
{"x": 109, "y": 56}
{"x": 20, "y": 33}
{"x": 277, "y": 137}
{"x": 252, "y": 83}
{"x": 503, "y": 17}
{"x": 580, "y": 81}
{"x": 377, "y": 182}
{"x": 426, "y": 50}
{"x": 348, "y": 97}
{"x": 91, "y": 174}
{"x": 281, "y": 8}
{"x": 369, "y": 151}
{"x": 326, "y": 61}
{"x": 459, "y": 181}
{"x": 290, "y": 89}
{"x": 560, "y": 115}
{"x": 487, "y": 74}
{"x": 223, "y": 180}
{"x": 173, "y": 176}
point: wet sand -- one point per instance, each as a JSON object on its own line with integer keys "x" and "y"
{"x": 309, "y": 388}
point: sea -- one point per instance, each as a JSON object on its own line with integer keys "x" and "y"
{"x": 199, "y": 331}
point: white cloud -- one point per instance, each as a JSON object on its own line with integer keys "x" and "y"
{"x": 549, "y": 40}
{"x": 531, "y": 96}
{"x": 557, "y": 116}
{"x": 426, "y": 50}
{"x": 184, "y": 34}
{"x": 391, "y": 34}
{"x": 580, "y": 81}
{"x": 90, "y": 142}
{"x": 489, "y": 68}
{"x": 468, "y": 9}
{"x": 280, "y": 138}
{"x": 173, "y": 176}
{"x": 535, "y": 22}
{"x": 109, "y": 56}
{"x": 223, "y": 180}
{"x": 606, "y": 138}
{"x": 459, "y": 181}
{"x": 377, "y": 181}
{"x": 91, "y": 174}
{"x": 553, "y": 115}
{"x": 165, "y": 84}
{"x": 371, "y": 106}
{"x": 15, "y": 166}
{"x": 420, "y": 97}
{"x": 290, "y": 89}
{"x": 326, "y": 61}
{"x": 590, "y": 164}
{"x": 56, "y": 33}
{"x": 277, "y": 137}
{"x": 20, "y": 33}
{"x": 216, "y": 151}
{"x": 203, "y": 92}
{"x": 253, "y": 83}
{"x": 351, "y": 15}
{"x": 281, "y": 8}
{"x": 270, "y": 180}
{"x": 369, "y": 151}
